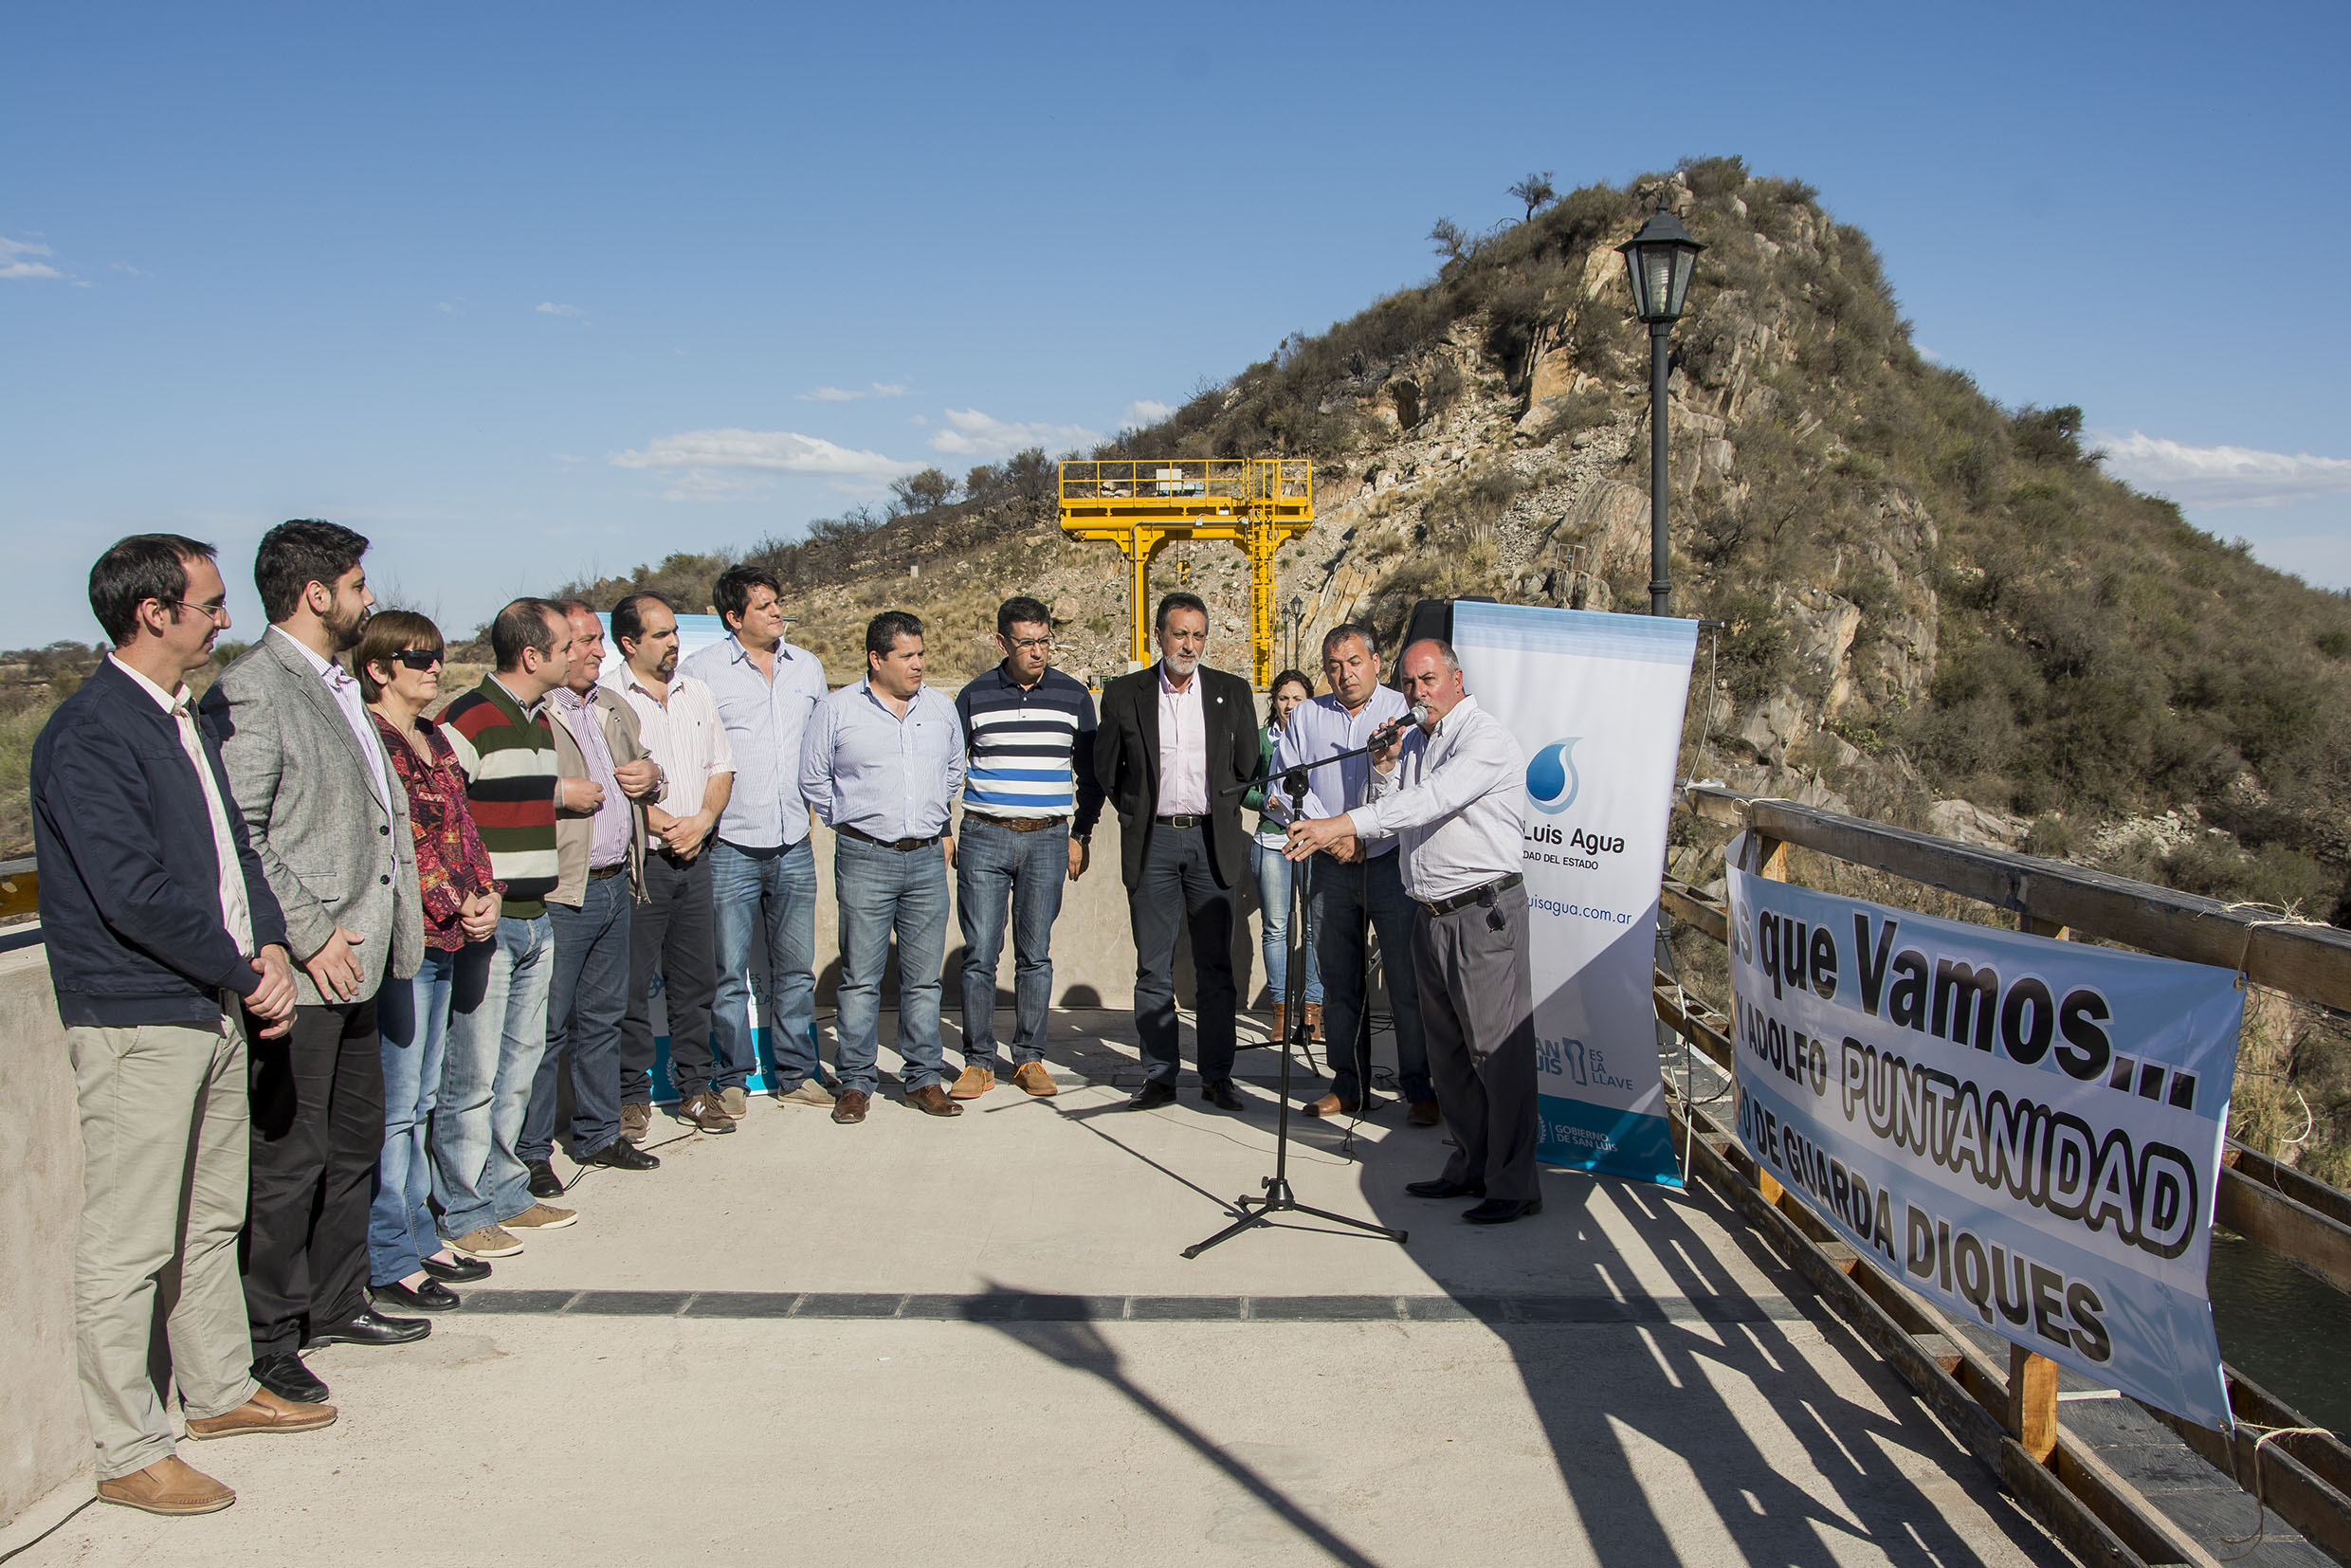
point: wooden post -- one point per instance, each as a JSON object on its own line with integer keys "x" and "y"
{"x": 2032, "y": 1402}
{"x": 1771, "y": 857}
{"x": 2033, "y": 925}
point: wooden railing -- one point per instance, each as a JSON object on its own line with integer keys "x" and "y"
{"x": 20, "y": 888}
{"x": 2008, "y": 1418}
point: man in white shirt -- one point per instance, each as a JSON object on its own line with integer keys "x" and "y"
{"x": 671, "y": 933}
{"x": 1449, "y": 793}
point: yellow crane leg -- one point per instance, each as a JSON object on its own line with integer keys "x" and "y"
{"x": 1141, "y": 544}
{"x": 1263, "y": 541}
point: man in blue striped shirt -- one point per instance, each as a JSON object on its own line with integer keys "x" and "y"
{"x": 1030, "y": 801}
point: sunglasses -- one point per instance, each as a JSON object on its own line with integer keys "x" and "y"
{"x": 418, "y": 658}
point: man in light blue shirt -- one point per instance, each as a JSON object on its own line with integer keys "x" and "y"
{"x": 879, "y": 764}
{"x": 762, "y": 868}
{"x": 1349, "y": 898}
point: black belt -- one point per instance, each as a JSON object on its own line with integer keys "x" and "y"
{"x": 594, "y": 875}
{"x": 1181, "y": 821}
{"x": 900, "y": 845}
{"x": 1018, "y": 824}
{"x": 1479, "y": 894}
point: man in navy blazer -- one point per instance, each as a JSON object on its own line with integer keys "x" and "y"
{"x": 161, "y": 934}
{"x": 1174, "y": 742}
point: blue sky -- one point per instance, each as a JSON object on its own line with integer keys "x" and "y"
{"x": 493, "y": 283}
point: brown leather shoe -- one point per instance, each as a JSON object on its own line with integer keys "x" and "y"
{"x": 170, "y": 1486}
{"x": 972, "y": 1082}
{"x": 1330, "y": 1104}
{"x": 635, "y": 1122}
{"x": 932, "y": 1101}
{"x": 1314, "y": 1020}
{"x": 265, "y": 1412}
{"x": 1281, "y": 1023}
{"x": 1034, "y": 1078}
{"x": 1423, "y": 1114}
{"x": 849, "y": 1105}
{"x": 705, "y": 1113}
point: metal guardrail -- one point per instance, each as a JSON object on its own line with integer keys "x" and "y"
{"x": 2010, "y": 1422}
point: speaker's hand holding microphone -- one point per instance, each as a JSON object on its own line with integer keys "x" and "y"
{"x": 1386, "y": 741}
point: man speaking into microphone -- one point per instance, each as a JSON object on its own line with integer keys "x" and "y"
{"x": 1448, "y": 791}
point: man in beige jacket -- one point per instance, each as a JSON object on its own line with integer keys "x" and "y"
{"x": 604, "y": 781}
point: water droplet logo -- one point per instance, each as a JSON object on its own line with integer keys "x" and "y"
{"x": 1552, "y": 781}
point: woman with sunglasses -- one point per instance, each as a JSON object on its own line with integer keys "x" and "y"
{"x": 399, "y": 663}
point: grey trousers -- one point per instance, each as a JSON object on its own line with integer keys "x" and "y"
{"x": 164, "y": 1127}
{"x": 1477, "y": 1003}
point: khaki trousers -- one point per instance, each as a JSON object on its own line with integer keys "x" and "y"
{"x": 164, "y": 1124}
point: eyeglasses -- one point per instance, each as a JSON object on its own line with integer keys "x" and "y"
{"x": 418, "y": 658}
{"x": 1030, "y": 642}
{"x": 216, "y": 613}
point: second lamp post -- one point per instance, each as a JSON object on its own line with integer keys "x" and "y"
{"x": 1660, "y": 259}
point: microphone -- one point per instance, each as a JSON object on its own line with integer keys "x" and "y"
{"x": 1419, "y": 714}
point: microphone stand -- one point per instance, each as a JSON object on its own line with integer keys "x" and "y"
{"x": 1279, "y": 1199}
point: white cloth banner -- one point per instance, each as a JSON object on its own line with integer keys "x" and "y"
{"x": 1596, "y": 701}
{"x": 2025, "y": 1131}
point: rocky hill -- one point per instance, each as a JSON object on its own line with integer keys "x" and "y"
{"x": 1931, "y": 608}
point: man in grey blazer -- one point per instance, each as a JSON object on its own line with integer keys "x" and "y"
{"x": 329, "y": 821}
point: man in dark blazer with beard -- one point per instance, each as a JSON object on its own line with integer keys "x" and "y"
{"x": 1174, "y": 739}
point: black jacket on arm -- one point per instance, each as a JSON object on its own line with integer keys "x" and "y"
{"x": 1127, "y": 761}
{"x": 130, "y": 884}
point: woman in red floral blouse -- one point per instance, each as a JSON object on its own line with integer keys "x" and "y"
{"x": 399, "y": 663}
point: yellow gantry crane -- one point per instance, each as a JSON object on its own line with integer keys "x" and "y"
{"x": 1260, "y": 503}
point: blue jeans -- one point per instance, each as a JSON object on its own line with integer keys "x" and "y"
{"x": 1347, "y": 904}
{"x": 498, "y": 1032}
{"x": 994, "y": 865}
{"x": 413, "y": 1017}
{"x": 770, "y": 895}
{"x": 880, "y": 891}
{"x": 587, "y": 998}
{"x": 1274, "y": 871}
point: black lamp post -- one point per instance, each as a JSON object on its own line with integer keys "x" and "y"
{"x": 1660, "y": 260}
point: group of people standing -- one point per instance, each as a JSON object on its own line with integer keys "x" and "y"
{"x": 331, "y": 964}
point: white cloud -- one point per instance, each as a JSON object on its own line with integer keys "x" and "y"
{"x": 2222, "y": 475}
{"x": 548, "y": 307}
{"x": 14, "y": 263}
{"x": 707, "y": 465}
{"x": 130, "y": 271}
{"x": 971, "y": 433}
{"x": 1143, "y": 412}
{"x": 843, "y": 394}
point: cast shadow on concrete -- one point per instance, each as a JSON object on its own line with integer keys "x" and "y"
{"x": 1061, "y": 1328}
{"x": 1666, "y": 1378}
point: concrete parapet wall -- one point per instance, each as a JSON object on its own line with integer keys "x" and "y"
{"x": 42, "y": 1437}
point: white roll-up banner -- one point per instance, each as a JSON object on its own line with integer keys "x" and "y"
{"x": 2025, "y": 1131}
{"x": 1596, "y": 701}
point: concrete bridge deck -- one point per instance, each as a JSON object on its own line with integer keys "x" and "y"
{"x": 973, "y": 1342}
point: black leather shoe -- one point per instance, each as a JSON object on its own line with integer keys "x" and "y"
{"x": 1442, "y": 1188}
{"x": 431, "y": 1296}
{"x": 621, "y": 1154}
{"x": 1150, "y": 1097}
{"x": 284, "y": 1376}
{"x": 370, "y": 1327}
{"x": 544, "y": 1179}
{"x": 464, "y": 1271}
{"x": 1221, "y": 1095}
{"x": 1501, "y": 1211}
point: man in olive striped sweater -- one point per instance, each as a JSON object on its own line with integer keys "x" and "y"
{"x": 499, "y": 732}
